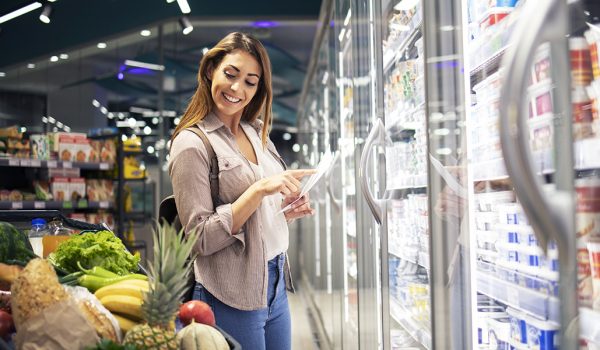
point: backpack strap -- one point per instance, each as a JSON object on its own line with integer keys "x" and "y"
{"x": 213, "y": 167}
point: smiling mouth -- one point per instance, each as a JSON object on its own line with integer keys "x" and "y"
{"x": 231, "y": 98}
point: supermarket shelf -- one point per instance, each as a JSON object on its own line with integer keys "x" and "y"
{"x": 143, "y": 179}
{"x": 586, "y": 154}
{"x": 487, "y": 67}
{"x": 395, "y": 50}
{"x": 588, "y": 324}
{"x": 37, "y": 163}
{"x": 489, "y": 170}
{"x": 418, "y": 261}
{"x": 408, "y": 182}
{"x": 54, "y": 205}
{"x": 528, "y": 300}
{"x": 415, "y": 328}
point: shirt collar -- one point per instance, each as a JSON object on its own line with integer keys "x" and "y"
{"x": 211, "y": 122}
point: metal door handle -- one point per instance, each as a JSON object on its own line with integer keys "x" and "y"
{"x": 376, "y": 137}
{"x": 337, "y": 203}
{"x": 550, "y": 213}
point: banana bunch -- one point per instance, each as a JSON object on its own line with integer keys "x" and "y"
{"x": 124, "y": 300}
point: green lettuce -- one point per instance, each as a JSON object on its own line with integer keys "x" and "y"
{"x": 95, "y": 249}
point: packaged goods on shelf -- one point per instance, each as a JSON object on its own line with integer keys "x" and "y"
{"x": 68, "y": 189}
{"x": 99, "y": 190}
{"x": 64, "y": 172}
{"x": 11, "y": 132}
{"x": 594, "y": 250}
{"x": 592, "y": 37}
{"x": 40, "y": 147}
{"x": 533, "y": 332}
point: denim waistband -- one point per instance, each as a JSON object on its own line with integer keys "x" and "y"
{"x": 277, "y": 261}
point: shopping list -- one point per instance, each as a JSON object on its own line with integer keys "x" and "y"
{"x": 322, "y": 168}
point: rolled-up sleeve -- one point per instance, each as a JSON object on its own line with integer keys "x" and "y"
{"x": 189, "y": 171}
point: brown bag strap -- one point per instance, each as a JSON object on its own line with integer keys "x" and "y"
{"x": 214, "y": 165}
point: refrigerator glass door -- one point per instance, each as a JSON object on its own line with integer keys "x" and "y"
{"x": 407, "y": 246}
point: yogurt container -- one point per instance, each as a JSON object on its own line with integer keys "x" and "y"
{"x": 518, "y": 326}
{"x": 541, "y": 335}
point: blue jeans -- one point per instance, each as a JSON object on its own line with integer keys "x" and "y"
{"x": 263, "y": 329}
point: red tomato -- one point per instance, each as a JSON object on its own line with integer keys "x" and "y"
{"x": 198, "y": 311}
{"x": 7, "y": 327}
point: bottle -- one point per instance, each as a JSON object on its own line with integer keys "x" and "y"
{"x": 57, "y": 233}
{"x": 39, "y": 229}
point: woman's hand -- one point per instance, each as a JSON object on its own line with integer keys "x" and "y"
{"x": 300, "y": 209}
{"x": 286, "y": 183}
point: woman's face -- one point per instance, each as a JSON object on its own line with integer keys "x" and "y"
{"x": 234, "y": 83}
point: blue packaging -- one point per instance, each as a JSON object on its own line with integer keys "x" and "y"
{"x": 542, "y": 335}
{"x": 506, "y": 3}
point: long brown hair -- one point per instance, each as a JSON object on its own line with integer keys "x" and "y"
{"x": 201, "y": 103}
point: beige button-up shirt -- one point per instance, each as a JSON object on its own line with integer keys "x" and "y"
{"x": 231, "y": 266}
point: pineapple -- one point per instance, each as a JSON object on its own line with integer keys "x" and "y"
{"x": 168, "y": 276}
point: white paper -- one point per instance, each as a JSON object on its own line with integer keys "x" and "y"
{"x": 324, "y": 165}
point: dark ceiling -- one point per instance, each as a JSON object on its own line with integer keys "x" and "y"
{"x": 77, "y": 26}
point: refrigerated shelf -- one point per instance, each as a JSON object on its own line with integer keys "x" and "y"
{"x": 395, "y": 50}
{"x": 408, "y": 182}
{"x": 487, "y": 67}
{"x": 524, "y": 299}
{"x": 416, "y": 329}
{"x": 588, "y": 323}
{"x": 489, "y": 170}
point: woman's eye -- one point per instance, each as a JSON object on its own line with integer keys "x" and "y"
{"x": 250, "y": 84}
{"x": 230, "y": 76}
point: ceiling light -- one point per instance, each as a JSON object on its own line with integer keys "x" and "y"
{"x": 139, "y": 64}
{"x": 101, "y": 45}
{"x": 23, "y": 10}
{"x": 95, "y": 103}
{"x": 51, "y": 120}
{"x": 131, "y": 122}
{"x": 53, "y": 58}
{"x": 123, "y": 138}
{"x": 104, "y": 110}
{"x": 110, "y": 115}
{"x": 145, "y": 32}
{"x": 67, "y": 129}
{"x": 176, "y": 121}
{"x": 2, "y": 74}
{"x": 287, "y": 136}
{"x": 44, "y": 120}
{"x": 59, "y": 124}
{"x": 186, "y": 25}
{"x": 184, "y": 6}
{"x": 154, "y": 120}
{"x": 135, "y": 109}
{"x": 170, "y": 1}
{"x": 45, "y": 16}
{"x": 31, "y": 65}
{"x": 63, "y": 56}
{"x": 147, "y": 131}
{"x": 150, "y": 149}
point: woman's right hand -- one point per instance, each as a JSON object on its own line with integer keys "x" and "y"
{"x": 286, "y": 183}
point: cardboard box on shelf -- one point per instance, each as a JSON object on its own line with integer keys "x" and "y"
{"x": 40, "y": 148}
{"x": 60, "y": 188}
{"x": 77, "y": 188}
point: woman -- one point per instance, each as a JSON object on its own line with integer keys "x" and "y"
{"x": 241, "y": 270}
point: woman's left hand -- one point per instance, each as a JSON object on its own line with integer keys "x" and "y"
{"x": 300, "y": 209}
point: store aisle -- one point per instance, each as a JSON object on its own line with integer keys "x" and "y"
{"x": 303, "y": 337}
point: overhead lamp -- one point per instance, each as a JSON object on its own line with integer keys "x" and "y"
{"x": 184, "y": 6}
{"x": 151, "y": 66}
{"x": 30, "y": 65}
{"x": 101, "y": 45}
{"x": 96, "y": 103}
{"x": 186, "y": 25}
{"x": 45, "y": 16}
{"x": 145, "y": 32}
{"x": 53, "y": 58}
{"x": 2, "y": 74}
{"x": 64, "y": 56}
{"x": 170, "y": 1}
{"x": 23, "y": 10}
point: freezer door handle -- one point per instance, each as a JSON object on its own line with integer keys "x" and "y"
{"x": 550, "y": 212}
{"x": 376, "y": 137}
{"x": 337, "y": 203}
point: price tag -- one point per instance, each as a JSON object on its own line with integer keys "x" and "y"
{"x": 67, "y": 165}
{"x": 67, "y": 205}
{"x": 36, "y": 163}
{"x": 52, "y": 164}
{"x": 512, "y": 294}
{"x": 39, "y": 205}
{"x": 82, "y": 204}
{"x": 103, "y": 166}
{"x": 13, "y": 162}
{"x": 103, "y": 204}
{"x": 17, "y": 205}
{"x": 25, "y": 162}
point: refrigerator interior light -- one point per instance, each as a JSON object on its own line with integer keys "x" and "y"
{"x": 186, "y": 25}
